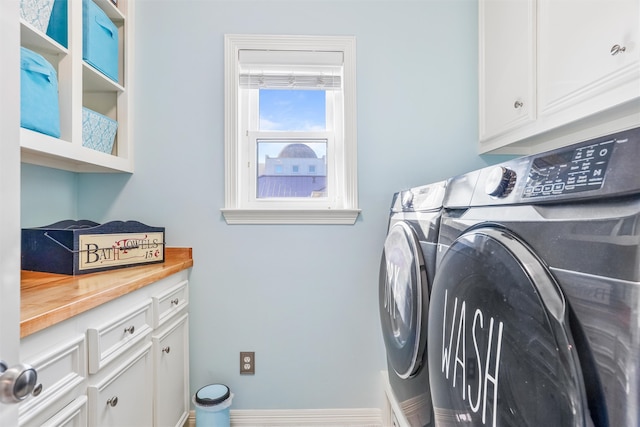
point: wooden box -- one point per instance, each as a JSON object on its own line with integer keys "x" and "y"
{"x": 79, "y": 247}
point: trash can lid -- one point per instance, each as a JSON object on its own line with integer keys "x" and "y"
{"x": 212, "y": 394}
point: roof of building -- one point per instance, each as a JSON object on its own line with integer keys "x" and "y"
{"x": 290, "y": 186}
{"x": 298, "y": 151}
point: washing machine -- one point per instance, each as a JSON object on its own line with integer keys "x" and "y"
{"x": 535, "y": 308}
{"x": 406, "y": 270}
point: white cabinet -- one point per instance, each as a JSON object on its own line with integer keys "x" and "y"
{"x": 73, "y": 415}
{"x": 80, "y": 85}
{"x": 61, "y": 366}
{"x": 171, "y": 374}
{"x": 168, "y": 304}
{"x": 123, "y": 398}
{"x": 122, "y": 363}
{"x": 589, "y": 57}
{"x": 571, "y": 69}
{"x": 119, "y": 361}
{"x": 507, "y": 65}
{"x": 171, "y": 356}
{"x": 113, "y": 338}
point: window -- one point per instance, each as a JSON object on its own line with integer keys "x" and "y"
{"x": 290, "y": 130}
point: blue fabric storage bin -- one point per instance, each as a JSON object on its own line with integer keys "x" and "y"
{"x": 58, "y": 23}
{"x": 99, "y": 40}
{"x": 39, "y": 108}
{"x": 98, "y": 131}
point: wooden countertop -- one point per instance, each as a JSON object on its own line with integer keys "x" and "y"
{"x": 47, "y": 299}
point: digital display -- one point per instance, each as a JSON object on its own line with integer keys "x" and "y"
{"x": 571, "y": 171}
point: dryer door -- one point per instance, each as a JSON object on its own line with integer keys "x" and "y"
{"x": 403, "y": 297}
{"x": 500, "y": 349}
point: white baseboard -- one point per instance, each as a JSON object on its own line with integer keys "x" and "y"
{"x": 357, "y": 417}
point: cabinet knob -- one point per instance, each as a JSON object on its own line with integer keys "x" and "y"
{"x": 175, "y": 301}
{"x": 166, "y": 349}
{"x": 130, "y": 329}
{"x": 37, "y": 390}
{"x": 518, "y": 104}
{"x": 113, "y": 401}
{"x": 616, "y": 49}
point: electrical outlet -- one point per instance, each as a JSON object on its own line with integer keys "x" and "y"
{"x": 248, "y": 362}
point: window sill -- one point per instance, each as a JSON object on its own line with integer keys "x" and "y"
{"x": 291, "y": 216}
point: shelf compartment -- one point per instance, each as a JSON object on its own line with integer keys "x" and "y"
{"x": 43, "y": 150}
{"x": 32, "y": 38}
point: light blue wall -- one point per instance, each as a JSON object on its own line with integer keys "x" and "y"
{"x": 304, "y": 298}
{"x": 47, "y": 195}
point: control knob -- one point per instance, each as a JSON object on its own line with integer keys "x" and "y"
{"x": 500, "y": 181}
{"x": 407, "y": 200}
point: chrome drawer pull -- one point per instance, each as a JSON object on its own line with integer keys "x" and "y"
{"x": 113, "y": 401}
{"x": 166, "y": 349}
{"x": 616, "y": 49}
{"x": 37, "y": 390}
{"x": 130, "y": 329}
{"x": 175, "y": 301}
{"x": 518, "y": 104}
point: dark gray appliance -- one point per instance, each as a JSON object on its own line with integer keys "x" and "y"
{"x": 406, "y": 271}
{"x": 535, "y": 308}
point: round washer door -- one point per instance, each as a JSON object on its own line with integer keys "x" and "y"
{"x": 403, "y": 297}
{"x": 500, "y": 348}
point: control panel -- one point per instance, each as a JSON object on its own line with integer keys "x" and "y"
{"x": 602, "y": 167}
{"x": 420, "y": 199}
{"x": 570, "y": 171}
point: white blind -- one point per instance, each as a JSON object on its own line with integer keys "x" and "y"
{"x": 282, "y": 69}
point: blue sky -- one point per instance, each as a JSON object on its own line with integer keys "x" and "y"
{"x": 292, "y": 110}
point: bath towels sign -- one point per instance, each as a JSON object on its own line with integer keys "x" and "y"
{"x": 78, "y": 247}
{"x": 110, "y": 250}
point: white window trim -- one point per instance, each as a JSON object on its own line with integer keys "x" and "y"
{"x": 234, "y": 212}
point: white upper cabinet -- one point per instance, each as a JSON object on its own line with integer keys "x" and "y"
{"x": 556, "y": 71}
{"x": 507, "y": 65}
{"x": 80, "y": 85}
{"x": 588, "y": 54}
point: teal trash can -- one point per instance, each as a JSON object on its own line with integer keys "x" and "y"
{"x": 212, "y": 404}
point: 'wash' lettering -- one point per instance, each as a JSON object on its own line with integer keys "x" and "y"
{"x": 484, "y": 393}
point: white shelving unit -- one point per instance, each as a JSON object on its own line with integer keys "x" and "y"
{"x": 80, "y": 85}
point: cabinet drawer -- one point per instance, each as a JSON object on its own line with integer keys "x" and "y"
{"x": 73, "y": 415}
{"x": 111, "y": 339}
{"x": 124, "y": 398}
{"x": 61, "y": 371}
{"x": 169, "y": 303}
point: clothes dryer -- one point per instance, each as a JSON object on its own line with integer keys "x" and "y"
{"x": 406, "y": 271}
{"x": 535, "y": 308}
